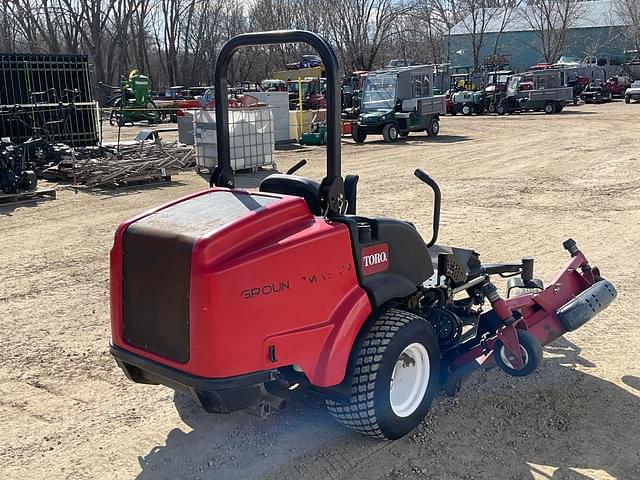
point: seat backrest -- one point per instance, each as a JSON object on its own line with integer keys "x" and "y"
{"x": 294, "y": 185}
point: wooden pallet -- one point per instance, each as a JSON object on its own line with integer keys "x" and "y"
{"x": 23, "y": 197}
{"x": 132, "y": 182}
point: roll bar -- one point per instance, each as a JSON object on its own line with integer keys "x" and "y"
{"x": 332, "y": 188}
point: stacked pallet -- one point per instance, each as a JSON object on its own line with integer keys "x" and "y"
{"x": 130, "y": 165}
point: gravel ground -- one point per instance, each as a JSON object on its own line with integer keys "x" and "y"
{"x": 512, "y": 186}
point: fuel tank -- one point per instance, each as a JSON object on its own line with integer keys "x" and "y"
{"x": 224, "y": 283}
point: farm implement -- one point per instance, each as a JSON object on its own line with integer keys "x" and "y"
{"x": 237, "y": 296}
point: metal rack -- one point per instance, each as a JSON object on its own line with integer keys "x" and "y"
{"x": 23, "y": 75}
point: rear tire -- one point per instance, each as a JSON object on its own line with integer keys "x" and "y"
{"x": 434, "y": 128}
{"x": 466, "y": 109}
{"x": 390, "y": 133}
{"x": 395, "y": 377}
{"x": 627, "y": 99}
{"x": 549, "y": 108}
{"x": 531, "y": 352}
{"x": 501, "y": 109}
{"x": 358, "y": 135}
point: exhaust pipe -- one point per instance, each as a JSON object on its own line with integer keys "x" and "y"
{"x": 267, "y": 404}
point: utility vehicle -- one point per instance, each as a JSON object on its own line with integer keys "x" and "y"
{"x": 467, "y": 102}
{"x": 398, "y": 101}
{"x": 618, "y": 85}
{"x": 541, "y": 90}
{"x": 633, "y": 92}
{"x": 236, "y": 296}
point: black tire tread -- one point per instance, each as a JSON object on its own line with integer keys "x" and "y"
{"x": 534, "y": 350}
{"x": 359, "y": 414}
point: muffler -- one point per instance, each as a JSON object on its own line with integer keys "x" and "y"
{"x": 267, "y": 404}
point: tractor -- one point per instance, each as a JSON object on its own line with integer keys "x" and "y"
{"x": 239, "y": 296}
{"x": 398, "y": 101}
{"x": 495, "y": 88}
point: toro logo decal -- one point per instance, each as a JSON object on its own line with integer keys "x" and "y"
{"x": 375, "y": 259}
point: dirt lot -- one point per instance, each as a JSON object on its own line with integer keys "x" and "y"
{"x": 513, "y": 186}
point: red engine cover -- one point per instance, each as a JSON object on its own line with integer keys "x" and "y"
{"x": 273, "y": 277}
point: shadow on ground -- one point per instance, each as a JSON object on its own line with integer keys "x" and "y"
{"x": 415, "y": 140}
{"x": 559, "y": 423}
{"x": 245, "y": 179}
{"x": 8, "y": 209}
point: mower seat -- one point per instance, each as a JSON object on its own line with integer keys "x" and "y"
{"x": 294, "y": 185}
{"x": 309, "y": 190}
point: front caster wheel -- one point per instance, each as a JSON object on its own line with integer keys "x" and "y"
{"x": 531, "y": 355}
{"x": 395, "y": 377}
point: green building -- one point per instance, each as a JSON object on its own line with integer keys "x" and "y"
{"x": 598, "y": 31}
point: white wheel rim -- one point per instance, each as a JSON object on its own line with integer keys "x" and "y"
{"x": 409, "y": 380}
{"x": 436, "y": 127}
{"x": 507, "y": 360}
{"x": 393, "y": 133}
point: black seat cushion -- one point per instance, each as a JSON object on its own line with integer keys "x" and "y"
{"x": 297, "y": 186}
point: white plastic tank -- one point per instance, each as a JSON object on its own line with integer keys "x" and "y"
{"x": 251, "y": 138}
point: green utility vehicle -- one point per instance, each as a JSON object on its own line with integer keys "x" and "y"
{"x": 537, "y": 91}
{"x": 397, "y": 101}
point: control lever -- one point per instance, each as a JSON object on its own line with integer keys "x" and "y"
{"x": 436, "y": 203}
{"x": 296, "y": 167}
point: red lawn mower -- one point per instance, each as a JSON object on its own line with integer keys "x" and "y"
{"x": 236, "y": 296}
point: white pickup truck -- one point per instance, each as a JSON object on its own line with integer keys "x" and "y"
{"x": 633, "y": 92}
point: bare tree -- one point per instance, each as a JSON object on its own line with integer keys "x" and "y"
{"x": 551, "y": 20}
{"x": 361, "y": 27}
{"x": 417, "y": 35}
{"x": 8, "y": 29}
{"x": 629, "y": 11}
{"x": 176, "y": 41}
{"x": 482, "y": 17}
{"x": 502, "y": 19}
